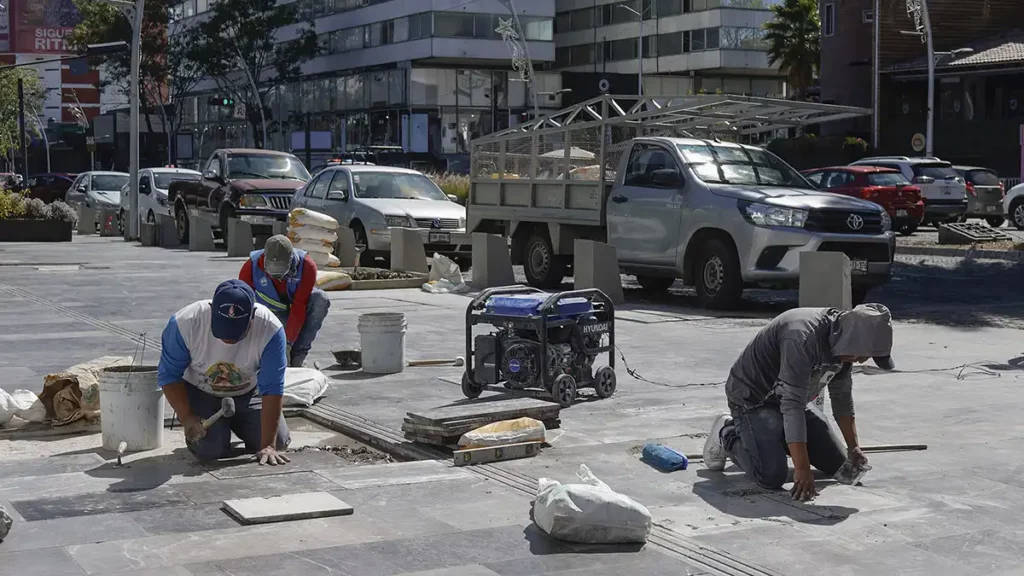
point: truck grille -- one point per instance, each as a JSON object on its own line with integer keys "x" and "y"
{"x": 844, "y": 222}
{"x": 869, "y": 251}
{"x": 438, "y": 223}
{"x": 280, "y": 202}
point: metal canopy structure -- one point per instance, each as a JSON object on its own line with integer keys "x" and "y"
{"x": 720, "y": 113}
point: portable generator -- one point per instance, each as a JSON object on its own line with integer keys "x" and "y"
{"x": 540, "y": 341}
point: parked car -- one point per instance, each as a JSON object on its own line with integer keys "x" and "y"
{"x": 943, "y": 190}
{"x": 886, "y": 187}
{"x": 254, "y": 185}
{"x": 10, "y": 180}
{"x": 984, "y": 194}
{"x": 49, "y": 187}
{"x": 1013, "y": 205}
{"x": 373, "y": 199}
{"x": 153, "y": 185}
{"x": 97, "y": 190}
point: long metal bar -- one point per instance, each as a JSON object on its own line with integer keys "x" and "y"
{"x": 21, "y": 131}
{"x": 930, "y": 127}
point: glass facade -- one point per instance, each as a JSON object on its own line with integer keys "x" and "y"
{"x": 670, "y": 44}
{"x": 624, "y": 12}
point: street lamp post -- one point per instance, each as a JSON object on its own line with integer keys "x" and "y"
{"x": 639, "y": 46}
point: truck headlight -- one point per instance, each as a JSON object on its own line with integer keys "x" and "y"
{"x": 252, "y": 202}
{"x": 766, "y": 215}
{"x": 399, "y": 221}
{"x": 886, "y": 222}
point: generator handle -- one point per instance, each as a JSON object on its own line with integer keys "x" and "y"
{"x": 484, "y": 296}
{"x": 549, "y": 304}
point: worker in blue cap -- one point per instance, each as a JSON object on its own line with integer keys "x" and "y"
{"x": 230, "y": 346}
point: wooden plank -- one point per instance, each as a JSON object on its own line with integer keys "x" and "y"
{"x": 496, "y": 453}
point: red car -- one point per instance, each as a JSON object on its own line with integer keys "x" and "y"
{"x": 886, "y": 187}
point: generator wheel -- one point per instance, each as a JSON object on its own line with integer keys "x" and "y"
{"x": 564, "y": 390}
{"x": 604, "y": 382}
{"x": 469, "y": 388}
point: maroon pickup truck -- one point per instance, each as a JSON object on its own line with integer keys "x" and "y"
{"x": 253, "y": 185}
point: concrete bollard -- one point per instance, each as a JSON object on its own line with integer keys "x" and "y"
{"x": 596, "y": 265}
{"x": 149, "y": 234}
{"x": 825, "y": 280}
{"x": 108, "y": 222}
{"x": 86, "y": 220}
{"x": 407, "y": 254}
{"x": 345, "y": 248}
{"x": 239, "y": 238}
{"x": 492, "y": 263}
{"x": 168, "y": 231}
{"x": 200, "y": 235}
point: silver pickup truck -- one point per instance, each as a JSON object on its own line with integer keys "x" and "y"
{"x": 721, "y": 216}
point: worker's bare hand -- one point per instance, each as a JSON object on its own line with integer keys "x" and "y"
{"x": 194, "y": 431}
{"x": 857, "y": 458}
{"x": 803, "y": 485}
{"x": 271, "y": 456}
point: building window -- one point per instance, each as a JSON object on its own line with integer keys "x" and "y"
{"x": 538, "y": 28}
{"x": 736, "y": 38}
{"x": 711, "y": 39}
{"x": 485, "y": 25}
{"x": 867, "y": 16}
{"x": 453, "y": 25}
{"x": 670, "y": 44}
{"x": 618, "y": 13}
{"x": 828, "y": 22}
{"x": 624, "y": 49}
{"x": 421, "y": 26}
{"x": 581, "y": 19}
{"x": 669, "y": 8}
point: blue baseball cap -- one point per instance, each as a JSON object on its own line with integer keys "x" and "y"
{"x": 234, "y": 304}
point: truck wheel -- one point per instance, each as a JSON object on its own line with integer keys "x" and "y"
{"x": 361, "y": 242}
{"x": 544, "y": 269}
{"x": 1017, "y": 214}
{"x": 655, "y": 283}
{"x": 717, "y": 278}
{"x": 181, "y": 219}
{"x": 995, "y": 221}
{"x": 908, "y": 229}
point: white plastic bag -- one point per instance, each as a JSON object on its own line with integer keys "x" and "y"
{"x": 443, "y": 286}
{"x": 303, "y": 386}
{"x": 505, "y": 432}
{"x": 328, "y": 281}
{"x": 445, "y": 277}
{"x": 590, "y": 512}
{"x": 24, "y": 404}
{"x": 300, "y": 217}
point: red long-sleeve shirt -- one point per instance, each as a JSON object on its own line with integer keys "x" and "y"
{"x": 297, "y": 312}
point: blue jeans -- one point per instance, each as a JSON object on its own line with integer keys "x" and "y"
{"x": 756, "y": 442}
{"x": 316, "y": 313}
{"x": 246, "y": 424}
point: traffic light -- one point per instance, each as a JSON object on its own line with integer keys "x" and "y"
{"x": 218, "y": 101}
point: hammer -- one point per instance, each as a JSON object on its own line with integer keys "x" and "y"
{"x": 457, "y": 361}
{"x": 227, "y": 408}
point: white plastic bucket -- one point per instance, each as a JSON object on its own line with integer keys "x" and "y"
{"x": 382, "y": 338}
{"x": 131, "y": 407}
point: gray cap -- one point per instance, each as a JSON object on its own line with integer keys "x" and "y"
{"x": 866, "y": 332}
{"x": 277, "y": 255}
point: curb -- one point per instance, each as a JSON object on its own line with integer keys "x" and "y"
{"x": 969, "y": 254}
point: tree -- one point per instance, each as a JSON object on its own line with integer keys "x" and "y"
{"x": 167, "y": 75}
{"x": 237, "y": 47}
{"x": 9, "y": 112}
{"x": 794, "y": 41}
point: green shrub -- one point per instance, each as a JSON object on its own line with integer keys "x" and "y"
{"x": 12, "y": 206}
{"x": 15, "y": 206}
{"x": 58, "y": 210}
{"x": 454, "y": 184}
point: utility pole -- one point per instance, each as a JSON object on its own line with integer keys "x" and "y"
{"x": 21, "y": 130}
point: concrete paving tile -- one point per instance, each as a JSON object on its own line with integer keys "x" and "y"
{"x": 648, "y": 564}
{"x": 99, "y": 503}
{"x": 393, "y": 474}
{"x": 164, "y": 571}
{"x": 182, "y": 519}
{"x": 700, "y": 517}
{"x": 287, "y": 507}
{"x": 477, "y": 514}
{"x": 622, "y": 558}
{"x": 52, "y": 465}
{"x": 310, "y": 563}
{"x": 985, "y": 550}
{"x": 67, "y": 531}
{"x": 306, "y": 461}
{"x": 468, "y": 570}
{"x": 41, "y": 562}
{"x": 259, "y": 486}
{"x": 443, "y": 493}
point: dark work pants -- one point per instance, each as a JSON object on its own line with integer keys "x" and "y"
{"x": 316, "y": 313}
{"x": 246, "y": 424}
{"x": 756, "y": 442}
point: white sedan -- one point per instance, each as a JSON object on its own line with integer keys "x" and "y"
{"x": 153, "y": 185}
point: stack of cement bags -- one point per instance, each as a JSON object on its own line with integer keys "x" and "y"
{"x": 315, "y": 233}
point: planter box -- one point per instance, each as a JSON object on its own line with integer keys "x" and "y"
{"x": 35, "y": 231}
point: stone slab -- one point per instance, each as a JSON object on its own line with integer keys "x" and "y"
{"x": 86, "y": 221}
{"x": 239, "y": 238}
{"x": 149, "y": 234}
{"x": 345, "y": 248}
{"x": 407, "y": 253}
{"x": 48, "y": 561}
{"x": 825, "y": 280}
{"x": 394, "y": 474}
{"x": 70, "y": 531}
{"x": 98, "y": 503}
{"x": 596, "y": 265}
{"x": 217, "y": 490}
{"x": 181, "y": 519}
{"x": 492, "y": 262}
{"x": 200, "y": 235}
{"x": 287, "y": 507}
{"x": 46, "y": 466}
{"x": 305, "y": 461}
{"x": 168, "y": 231}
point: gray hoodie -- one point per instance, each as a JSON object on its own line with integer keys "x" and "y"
{"x": 796, "y": 355}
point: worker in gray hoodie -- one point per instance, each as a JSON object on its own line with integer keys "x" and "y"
{"x": 786, "y": 366}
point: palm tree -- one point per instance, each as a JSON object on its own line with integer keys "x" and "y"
{"x": 794, "y": 41}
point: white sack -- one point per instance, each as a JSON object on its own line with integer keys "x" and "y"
{"x": 303, "y": 386}
{"x": 300, "y": 217}
{"x": 590, "y": 512}
{"x": 24, "y": 404}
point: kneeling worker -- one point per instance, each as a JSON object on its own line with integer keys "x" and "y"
{"x": 285, "y": 282}
{"x": 228, "y": 347}
{"x": 788, "y": 363}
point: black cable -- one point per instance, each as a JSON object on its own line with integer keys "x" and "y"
{"x": 636, "y": 375}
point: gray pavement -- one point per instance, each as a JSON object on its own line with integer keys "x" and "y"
{"x": 953, "y": 509}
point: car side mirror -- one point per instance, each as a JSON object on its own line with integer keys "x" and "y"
{"x": 81, "y": 190}
{"x": 339, "y": 195}
{"x": 453, "y": 198}
{"x": 144, "y": 189}
{"x": 666, "y": 178}
{"x": 924, "y": 180}
{"x": 211, "y": 175}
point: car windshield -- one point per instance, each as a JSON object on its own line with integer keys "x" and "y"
{"x": 887, "y": 179}
{"x": 396, "y": 185}
{"x": 939, "y": 171}
{"x": 109, "y": 182}
{"x": 162, "y": 181}
{"x": 982, "y": 177}
{"x": 266, "y": 166}
{"x": 723, "y": 164}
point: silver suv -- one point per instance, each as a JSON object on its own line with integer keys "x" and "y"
{"x": 943, "y": 190}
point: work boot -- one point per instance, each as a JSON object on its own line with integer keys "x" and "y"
{"x": 298, "y": 360}
{"x": 715, "y": 455}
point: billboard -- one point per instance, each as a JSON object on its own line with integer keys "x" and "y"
{"x": 43, "y": 26}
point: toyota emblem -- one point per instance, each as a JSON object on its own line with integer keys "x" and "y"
{"x": 436, "y": 223}
{"x": 855, "y": 222}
